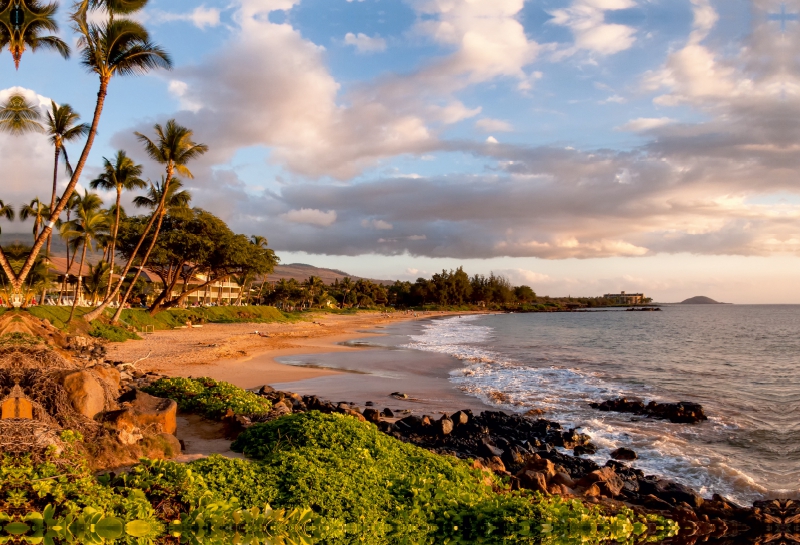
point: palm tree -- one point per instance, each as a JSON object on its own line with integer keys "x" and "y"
{"x": 346, "y": 286}
{"x": 176, "y": 202}
{"x": 36, "y": 210}
{"x": 90, "y": 222}
{"x": 18, "y": 116}
{"x": 6, "y": 211}
{"x": 61, "y": 124}
{"x": 314, "y": 286}
{"x": 173, "y": 148}
{"x": 121, "y": 174}
{"x": 22, "y": 24}
{"x": 117, "y": 46}
{"x": 99, "y": 277}
{"x": 259, "y": 242}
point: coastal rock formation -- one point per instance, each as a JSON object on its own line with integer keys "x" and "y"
{"x": 700, "y": 300}
{"x": 84, "y": 392}
{"x": 684, "y": 412}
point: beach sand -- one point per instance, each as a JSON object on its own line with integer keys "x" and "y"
{"x": 235, "y": 354}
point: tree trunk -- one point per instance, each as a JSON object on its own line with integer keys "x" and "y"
{"x": 112, "y": 250}
{"x": 78, "y": 289}
{"x": 76, "y": 174}
{"x": 160, "y": 211}
{"x": 53, "y": 197}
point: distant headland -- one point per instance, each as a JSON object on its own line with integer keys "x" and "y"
{"x": 701, "y": 300}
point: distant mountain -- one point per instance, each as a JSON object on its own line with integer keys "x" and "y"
{"x": 700, "y": 300}
{"x": 301, "y": 271}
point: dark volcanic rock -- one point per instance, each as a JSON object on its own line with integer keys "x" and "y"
{"x": 684, "y": 412}
{"x": 623, "y": 453}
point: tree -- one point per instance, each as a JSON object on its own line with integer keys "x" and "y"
{"x": 61, "y": 124}
{"x": 36, "y": 210}
{"x": 193, "y": 253}
{"x": 6, "y": 211}
{"x": 115, "y": 46}
{"x": 173, "y": 148}
{"x": 346, "y": 285}
{"x": 89, "y": 223}
{"x": 120, "y": 175}
{"x": 524, "y": 294}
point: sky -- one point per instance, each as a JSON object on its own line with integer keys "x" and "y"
{"x": 577, "y": 146}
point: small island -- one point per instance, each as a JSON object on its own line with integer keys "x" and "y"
{"x": 700, "y": 300}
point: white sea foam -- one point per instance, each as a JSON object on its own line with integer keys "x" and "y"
{"x": 563, "y": 393}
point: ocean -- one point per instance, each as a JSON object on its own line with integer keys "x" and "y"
{"x": 739, "y": 362}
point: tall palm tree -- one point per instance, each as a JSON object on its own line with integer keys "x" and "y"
{"x": 259, "y": 242}
{"x": 6, "y": 211}
{"x": 173, "y": 148}
{"x": 346, "y": 285}
{"x": 18, "y": 116}
{"x": 61, "y": 125}
{"x": 176, "y": 202}
{"x": 116, "y": 46}
{"x": 121, "y": 174}
{"x": 37, "y": 210}
{"x": 90, "y": 222}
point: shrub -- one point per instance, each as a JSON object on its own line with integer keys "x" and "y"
{"x": 209, "y": 397}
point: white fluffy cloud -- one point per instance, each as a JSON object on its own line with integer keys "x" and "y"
{"x": 201, "y": 17}
{"x": 311, "y": 216}
{"x": 642, "y": 124}
{"x": 364, "y": 43}
{"x": 586, "y": 20}
{"x": 493, "y": 125}
{"x": 379, "y": 225}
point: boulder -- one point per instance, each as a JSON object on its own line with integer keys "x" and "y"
{"x": 153, "y": 413}
{"x": 84, "y": 392}
{"x": 606, "y": 479}
{"x": 532, "y": 480}
{"x": 460, "y": 418}
{"x": 109, "y": 374}
{"x": 388, "y": 413}
{"x": 371, "y": 415}
{"x": 623, "y": 453}
{"x": 445, "y": 426}
{"x": 488, "y": 449}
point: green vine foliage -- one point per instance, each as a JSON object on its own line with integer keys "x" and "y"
{"x": 209, "y": 397}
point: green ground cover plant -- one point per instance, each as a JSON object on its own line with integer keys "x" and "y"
{"x": 392, "y": 492}
{"x": 208, "y": 397}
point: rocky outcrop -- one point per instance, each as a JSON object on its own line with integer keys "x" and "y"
{"x": 683, "y": 412}
{"x": 151, "y": 413}
{"x": 84, "y": 392}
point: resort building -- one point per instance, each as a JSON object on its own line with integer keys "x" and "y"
{"x": 623, "y": 298}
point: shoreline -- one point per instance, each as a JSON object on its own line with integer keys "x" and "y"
{"x": 235, "y": 353}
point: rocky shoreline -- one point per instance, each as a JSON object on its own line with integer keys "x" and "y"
{"x": 529, "y": 451}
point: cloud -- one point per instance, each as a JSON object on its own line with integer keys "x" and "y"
{"x": 201, "y": 17}
{"x": 586, "y": 21}
{"x": 380, "y": 225}
{"x": 491, "y": 140}
{"x": 643, "y": 124}
{"x": 524, "y": 277}
{"x": 364, "y": 43}
{"x": 311, "y": 216}
{"x": 493, "y": 125}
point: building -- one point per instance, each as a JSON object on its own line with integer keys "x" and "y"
{"x": 623, "y": 298}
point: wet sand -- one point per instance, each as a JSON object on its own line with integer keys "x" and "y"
{"x": 385, "y": 368}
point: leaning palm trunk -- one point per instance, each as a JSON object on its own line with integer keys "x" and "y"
{"x": 53, "y": 198}
{"x": 113, "y": 248}
{"x": 76, "y": 174}
{"x": 94, "y": 314}
{"x": 79, "y": 285}
{"x": 160, "y": 212}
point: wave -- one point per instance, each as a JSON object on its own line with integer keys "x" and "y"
{"x": 562, "y": 394}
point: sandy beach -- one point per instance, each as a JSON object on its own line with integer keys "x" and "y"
{"x": 237, "y": 354}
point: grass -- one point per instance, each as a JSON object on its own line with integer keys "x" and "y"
{"x": 139, "y": 319}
